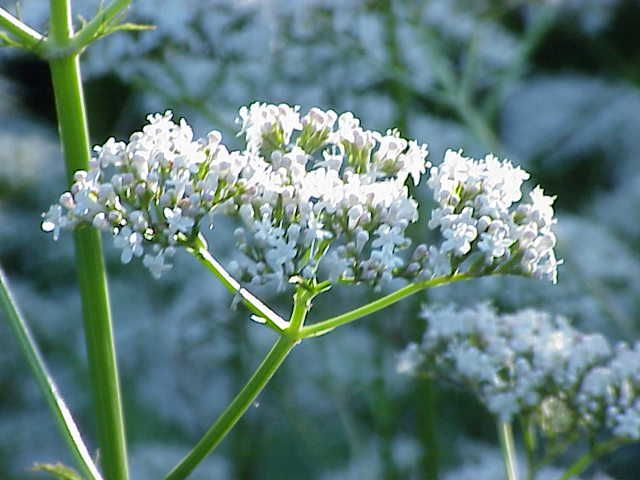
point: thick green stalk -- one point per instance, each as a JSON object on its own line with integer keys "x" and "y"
{"x": 103, "y": 371}
{"x": 225, "y": 422}
{"x": 57, "y": 405}
{"x": 326, "y": 326}
{"x": 505, "y": 433}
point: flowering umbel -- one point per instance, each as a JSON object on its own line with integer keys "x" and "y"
{"x": 328, "y": 197}
{"x": 152, "y": 192}
{"x": 484, "y": 228}
{"x": 319, "y": 198}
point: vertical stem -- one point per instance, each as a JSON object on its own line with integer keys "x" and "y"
{"x": 505, "y": 433}
{"x": 103, "y": 371}
{"x": 530, "y": 443}
{"x": 58, "y": 407}
{"x": 397, "y": 89}
{"x": 426, "y": 416}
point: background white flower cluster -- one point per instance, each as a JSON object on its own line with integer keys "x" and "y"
{"x": 532, "y": 363}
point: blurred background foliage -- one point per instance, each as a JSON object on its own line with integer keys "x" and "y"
{"x": 552, "y": 85}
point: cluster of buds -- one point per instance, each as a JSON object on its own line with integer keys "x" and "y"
{"x": 485, "y": 226}
{"x": 151, "y": 193}
{"x": 533, "y": 363}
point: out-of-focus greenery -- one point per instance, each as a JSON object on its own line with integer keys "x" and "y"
{"x": 553, "y": 85}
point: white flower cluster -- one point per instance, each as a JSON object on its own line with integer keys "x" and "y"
{"x": 610, "y": 393}
{"x": 151, "y": 192}
{"x": 532, "y": 362}
{"x": 321, "y": 181}
{"x": 484, "y": 228}
{"x": 318, "y": 196}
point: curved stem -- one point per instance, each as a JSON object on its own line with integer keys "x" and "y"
{"x": 585, "y": 460}
{"x": 326, "y": 326}
{"x": 27, "y": 35}
{"x": 249, "y": 299}
{"x": 103, "y": 369}
{"x": 247, "y": 395}
{"x": 57, "y": 405}
{"x": 234, "y": 411}
{"x": 508, "y": 450}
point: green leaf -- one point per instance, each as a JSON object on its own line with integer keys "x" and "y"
{"x": 135, "y": 27}
{"x": 58, "y": 470}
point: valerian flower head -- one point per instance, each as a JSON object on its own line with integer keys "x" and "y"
{"x": 327, "y": 198}
{"x": 485, "y": 224}
{"x": 319, "y": 197}
{"x": 531, "y": 362}
{"x": 152, "y": 192}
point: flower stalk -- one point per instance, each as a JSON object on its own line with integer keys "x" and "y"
{"x": 248, "y": 394}
{"x": 103, "y": 371}
{"x": 262, "y": 313}
{"x": 507, "y": 444}
{"x": 321, "y": 328}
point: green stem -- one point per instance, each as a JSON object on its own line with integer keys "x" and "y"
{"x": 263, "y": 312}
{"x": 27, "y": 35}
{"x": 585, "y": 460}
{"x": 247, "y": 394}
{"x": 66, "y": 424}
{"x": 426, "y": 419}
{"x": 326, "y": 326}
{"x": 556, "y": 449}
{"x": 103, "y": 371}
{"x": 94, "y": 29}
{"x": 530, "y": 443}
{"x": 508, "y": 450}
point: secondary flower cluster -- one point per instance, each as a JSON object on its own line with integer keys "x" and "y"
{"x": 152, "y": 192}
{"x": 484, "y": 229}
{"x": 530, "y": 362}
{"x": 328, "y": 196}
{"x": 319, "y": 197}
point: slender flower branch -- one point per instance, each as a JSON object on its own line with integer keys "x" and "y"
{"x": 508, "y": 450}
{"x": 95, "y": 28}
{"x": 61, "y": 413}
{"x": 27, "y": 35}
{"x": 247, "y": 395}
{"x": 326, "y": 326}
{"x": 588, "y": 458}
{"x": 103, "y": 369}
{"x": 263, "y": 312}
